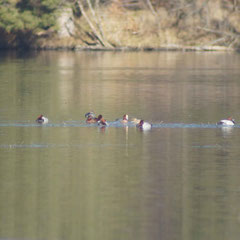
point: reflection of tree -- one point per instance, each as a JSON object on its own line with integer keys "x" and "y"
{"x": 141, "y": 83}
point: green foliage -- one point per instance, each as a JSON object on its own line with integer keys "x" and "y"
{"x": 19, "y": 17}
{"x": 39, "y": 6}
{"x": 27, "y": 15}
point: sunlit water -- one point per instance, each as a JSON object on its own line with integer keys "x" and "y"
{"x": 71, "y": 180}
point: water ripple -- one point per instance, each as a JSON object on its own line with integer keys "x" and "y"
{"x": 60, "y": 145}
{"x": 115, "y": 124}
{"x": 207, "y": 146}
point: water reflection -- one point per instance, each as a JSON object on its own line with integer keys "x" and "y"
{"x": 227, "y": 131}
{"x": 71, "y": 180}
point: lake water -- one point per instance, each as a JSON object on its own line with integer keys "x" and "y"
{"x": 69, "y": 180}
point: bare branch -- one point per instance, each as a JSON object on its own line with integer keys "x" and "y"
{"x": 233, "y": 42}
{"x": 215, "y": 41}
{"x": 95, "y": 17}
{"x": 204, "y": 4}
{"x": 97, "y": 31}
{"x": 220, "y": 32}
{"x": 90, "y": 23}
{"x": 92, "y": 10}
{"x": 151, "y": 7}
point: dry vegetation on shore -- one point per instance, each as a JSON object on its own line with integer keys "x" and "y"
{"x": 147, "y": 24}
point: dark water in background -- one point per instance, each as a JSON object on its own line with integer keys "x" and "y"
{"x": 67, "y": 180}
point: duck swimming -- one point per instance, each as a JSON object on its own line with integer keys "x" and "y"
{"x": 41, "y": 119}
{"x": 227, "y": 122}
{"x": 101, "y": 121}
{"x": 90, "y": 114}
{"x": 91, "y": 120}
{"x": 124, "y": 119}
{"x": 144, "y": 125}
{"x": 90, "y": 117}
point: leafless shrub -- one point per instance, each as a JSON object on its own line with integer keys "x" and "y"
{"x": 156, "y": 22}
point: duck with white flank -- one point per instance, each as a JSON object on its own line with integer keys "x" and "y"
{"x": 41, "y": 119}
{"x": 144, "y": 125}
{"x": 101, "y": 121}
{"x": 227, "y": 122}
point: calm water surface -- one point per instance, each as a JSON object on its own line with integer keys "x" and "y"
{"x": 68, "y": 180}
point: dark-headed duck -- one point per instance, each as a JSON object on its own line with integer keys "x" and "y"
{"x": 144, "y": 125}
{"x": 124, "y": 119}
{"x": 101, "y": 121}
{"x": 41, "y": 119}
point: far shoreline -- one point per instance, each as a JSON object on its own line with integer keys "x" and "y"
{"x": 170, "y": 48}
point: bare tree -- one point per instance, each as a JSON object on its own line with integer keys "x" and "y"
{"x": 96, "y": 29}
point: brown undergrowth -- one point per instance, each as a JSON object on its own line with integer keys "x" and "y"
{"x": 214, "y": 23}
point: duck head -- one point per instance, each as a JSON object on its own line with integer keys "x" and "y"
{"x": 39, "y": 117}
{"x": 231, "y": 119}
{"x": 90, "y": 115}
{"x": 125, "y": 117}
{"x": 141, "y": 123}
